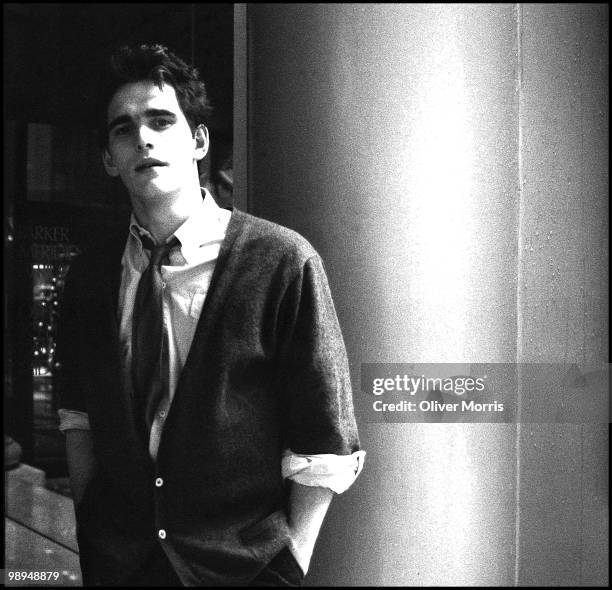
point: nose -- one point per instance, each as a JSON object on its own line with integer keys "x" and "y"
{"x": 144, "y": 139}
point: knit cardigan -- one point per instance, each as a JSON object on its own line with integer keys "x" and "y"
{"x": 267, "y": 370}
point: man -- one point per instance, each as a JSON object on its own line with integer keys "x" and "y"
{"x": 206, "y": 398}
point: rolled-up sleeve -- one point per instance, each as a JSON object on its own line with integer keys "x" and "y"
{"x": 73, "y": 420}
{"x": 336, "y": 472}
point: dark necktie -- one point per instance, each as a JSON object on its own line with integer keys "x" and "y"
{"x": 149, "y": 339}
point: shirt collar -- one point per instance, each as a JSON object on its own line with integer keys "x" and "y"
{"x": 203, "y": 226}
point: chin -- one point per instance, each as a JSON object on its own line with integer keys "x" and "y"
{"x": 157, "y": 186}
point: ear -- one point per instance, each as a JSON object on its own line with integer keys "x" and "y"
{"x": 202, "y": 142}
{"x": 109, "y": 166}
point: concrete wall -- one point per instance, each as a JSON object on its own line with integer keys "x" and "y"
{"x": 420, "y": 148}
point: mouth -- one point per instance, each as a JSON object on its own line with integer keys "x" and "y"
{"x": 149, "y": 163}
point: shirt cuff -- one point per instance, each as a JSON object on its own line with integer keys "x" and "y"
{"x": 73, "y": 420}
{"x": 336, "y": 472}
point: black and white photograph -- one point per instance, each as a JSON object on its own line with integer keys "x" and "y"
{"x": 306, "y": 294}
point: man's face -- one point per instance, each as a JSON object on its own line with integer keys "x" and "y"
{"x": 150, "y": 144}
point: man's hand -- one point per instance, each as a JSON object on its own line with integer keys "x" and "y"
{"x": 307, "y": 508}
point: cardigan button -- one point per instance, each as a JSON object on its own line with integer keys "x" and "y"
{"x": 162, "y": 533}
{"x": 159, "y": 482}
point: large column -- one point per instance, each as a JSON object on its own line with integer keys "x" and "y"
{"x": 388, "y": 135}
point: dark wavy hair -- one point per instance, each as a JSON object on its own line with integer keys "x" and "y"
{"x": 159, "y": 65}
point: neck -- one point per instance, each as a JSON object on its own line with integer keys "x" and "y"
{"x": 163, "y": 216}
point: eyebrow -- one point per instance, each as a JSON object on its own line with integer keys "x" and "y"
{"x": 121, "y": 119}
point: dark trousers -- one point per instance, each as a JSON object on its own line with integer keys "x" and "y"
{"x": 157, "y": 571}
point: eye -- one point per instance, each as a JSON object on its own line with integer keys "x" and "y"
{"x": 121, "y": 130}
{"x": 161, "y": 123}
